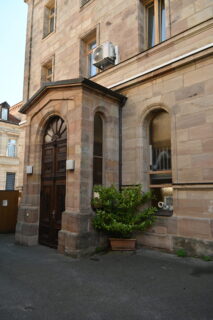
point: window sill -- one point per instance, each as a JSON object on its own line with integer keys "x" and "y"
{"x": 86, "y": 4}
{"x": 162, "y": 185}
{"x": 48, "y": 35}
{"x": 164, "y": 213}
{"x": 160, "y": 172}
{"x": 10, "y": 157}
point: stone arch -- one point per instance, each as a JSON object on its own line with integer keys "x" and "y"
{"x": 105, "y": 116}
{"x": 103, "y": 112}
{"x": 143, "y": 139}
{"x": 35, "y": 147}
{"x": 98, "y": 148}
{"x": 43, "y": 122}
{"x": 53, "y": 179}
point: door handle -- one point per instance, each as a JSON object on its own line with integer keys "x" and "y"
{"x": 53, "y": 213}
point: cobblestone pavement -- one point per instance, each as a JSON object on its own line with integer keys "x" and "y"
{"x": 38, "y": 283}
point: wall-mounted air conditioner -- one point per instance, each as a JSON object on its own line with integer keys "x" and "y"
{"x": 104, "y": 55}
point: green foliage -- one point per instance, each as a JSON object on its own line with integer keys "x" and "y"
{"x": 119, "y": 213}
{"x": 206, "y": 258}
{"x": 100, "y": 249}
{"x": 181, "y": 253}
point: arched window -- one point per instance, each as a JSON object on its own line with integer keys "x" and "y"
{"x": 98, "y": 150}
{"x": 160, "y": 161}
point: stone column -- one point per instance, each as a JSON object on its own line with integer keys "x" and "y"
{"x": 77, "y": 236}
{"x": 75, "y": 232}
{"x": 28, "y": 215}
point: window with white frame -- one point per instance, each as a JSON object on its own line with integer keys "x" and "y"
{"x": 4, "y": 113}
{"x": 88, "y": 44}
{"x": 11, "y": 148}
{"x": 92, "y": 70}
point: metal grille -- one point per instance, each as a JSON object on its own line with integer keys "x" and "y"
{"x": 160, "y": 159}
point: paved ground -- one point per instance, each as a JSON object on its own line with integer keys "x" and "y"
{"x": 38, "y": 283}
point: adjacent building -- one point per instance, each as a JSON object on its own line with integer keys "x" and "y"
{"x": 118, "y": 92}
{"x": 11, "y": 148}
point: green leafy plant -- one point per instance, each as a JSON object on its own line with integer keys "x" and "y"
{"x": 181, "y": 253}
{"x": 206, "y": 258}
{"x": 120, "y": 213}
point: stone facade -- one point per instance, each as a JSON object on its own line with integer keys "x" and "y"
{"x": 175, "y": 75}
{"x": 76, "y": 102}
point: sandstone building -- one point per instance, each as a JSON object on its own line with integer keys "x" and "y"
{"x": 11, "y": 148}
{"x": 144, "y": 115}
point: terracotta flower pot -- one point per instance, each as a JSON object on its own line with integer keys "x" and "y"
{"x": 122, "y": 244}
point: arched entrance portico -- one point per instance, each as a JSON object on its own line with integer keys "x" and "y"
{"x": 53, "y": 181}
{"x": 44, "y": 215}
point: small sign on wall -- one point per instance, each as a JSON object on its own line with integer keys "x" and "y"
{"x": 70, "y": 165}
{"x": 29, "y": 169}
{"x": 4, "y": 203}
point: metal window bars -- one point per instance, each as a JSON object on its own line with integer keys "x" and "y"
{"x": 160, "y": 158}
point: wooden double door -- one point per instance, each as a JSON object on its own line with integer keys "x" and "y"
{"x": 53, "y": 181}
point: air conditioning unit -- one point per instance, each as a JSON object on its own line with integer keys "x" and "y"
{"x": 104, "y": 55}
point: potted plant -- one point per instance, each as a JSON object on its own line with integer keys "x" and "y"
{"x": 120, "y": 213}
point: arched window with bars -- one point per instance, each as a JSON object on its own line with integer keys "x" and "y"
{"x": 160, "y": 156}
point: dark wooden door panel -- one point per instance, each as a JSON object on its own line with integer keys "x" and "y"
{"x": 53, "y": 182}
{"x": 47, "y": 204}
{"x": 8, "y": 213}
{"x": 60, "y": 203}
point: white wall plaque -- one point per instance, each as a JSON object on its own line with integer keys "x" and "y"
{"x": 29, "y": 169}
{"x": 70, "y": 164}
{"x": 4, "y": 203}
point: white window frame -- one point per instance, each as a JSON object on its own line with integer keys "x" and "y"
{"x": 11, "y": 148}
{"x": 7, "y": 113}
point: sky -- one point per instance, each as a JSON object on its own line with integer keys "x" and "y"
{"x": 12, "y": 49}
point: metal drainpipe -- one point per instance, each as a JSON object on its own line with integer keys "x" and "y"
{"x": 120, "y": 143}
{"x": 30, "y": 52}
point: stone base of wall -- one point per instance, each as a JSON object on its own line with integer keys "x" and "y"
{"x": 175, "y": 233}
{"x": 24, "y": 236}
{"x": 78, "y": 238}
{"x": 154, "y": 241}
{"x": 27, "y": 226}
{"x": 77, "y": 245}
{"x": 193, "y": 247}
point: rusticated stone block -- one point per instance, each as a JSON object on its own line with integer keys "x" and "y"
{"x": 212, "y": 228}
{"x": 193, "y": 247}
{"x": 26, "y": 240}
{"x": 75, "y": 222}
{"x": 190, "y": 92}
{"x": 31, "y": 215}
{"x": 194, "y": 228}
{"x": 77, "y": 245}
{"x": 170, "y": 223}
{"x": 154, "y": 240}
{"x": 27, "y": 229}
{"x": 187, "y": 121}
